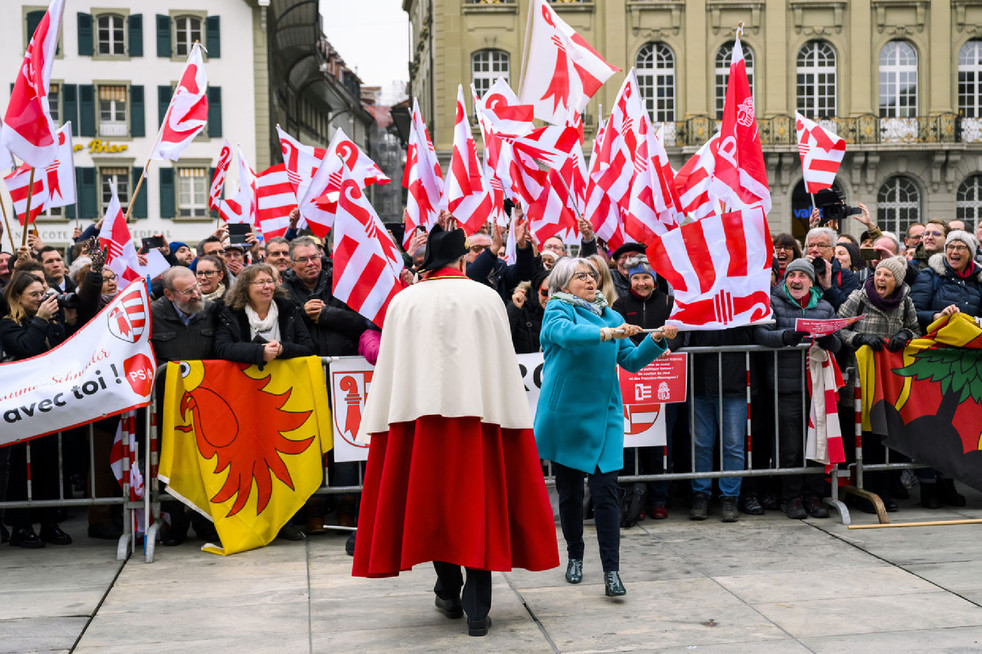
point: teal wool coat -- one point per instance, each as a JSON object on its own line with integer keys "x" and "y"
{"x": 579, "y": 420}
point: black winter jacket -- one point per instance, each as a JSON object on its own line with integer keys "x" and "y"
{"x": 172, "y": 340}
{"x": 233, "y": 343}
{"x": 649, "y": 313}
{"x": 705, "y": 380}
{"x": 338, "y": 328}
{"x": 938, "y": 286}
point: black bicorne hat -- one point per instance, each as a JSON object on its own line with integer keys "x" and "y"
{"x": 443, "y": 247}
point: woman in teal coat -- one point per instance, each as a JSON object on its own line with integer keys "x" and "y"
{"x": 579, "y": 421}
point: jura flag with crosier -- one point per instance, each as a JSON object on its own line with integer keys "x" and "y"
{"x": 468, "y": 196}
{"x": 121, "y": 255}
{"x": 821, "y": 154}
{"x": 28, "y": 130}
{"x": 422, "y": 177}
{"x": 693, "y": 179}
{"x": 188, "y": 111}
{"x": 218, "y": 179}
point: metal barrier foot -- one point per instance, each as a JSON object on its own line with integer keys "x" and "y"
{"x": 841, "y": 507}
{"x": 123, "y": 546}
{"x": 150, "y": 542}
{"x": 872, "y": 498}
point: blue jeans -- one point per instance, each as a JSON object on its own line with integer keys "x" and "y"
{"x": 705, "y": 428}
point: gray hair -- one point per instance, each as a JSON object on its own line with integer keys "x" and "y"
{"x": 822, "y": 231}
{"x": 173, "y": 273}
{"x": 897, "y": 245}
{"x": 301, "y": 241}
{"x": 564, "y": 270}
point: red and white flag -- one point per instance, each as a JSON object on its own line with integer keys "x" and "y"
{"x": 218, "y": 179}
{"x": 693, "y": 179}
{"x": 187, "y": 113}
{"x": 241, "y": 208}
{"x": 17, "y": 183}
{"x": 28, "y": 130}
{"x": 301, "y": 162}
{"x": 121, "y": 255}
{"x": 124, "y": 445}
{"x": 562, "y": 70}
{"x": 654, "y": 203}
{"x": 6, "y": 159}
{"x": 823, "y": 442}
{"x": 719, "y": 268}
{"x": 319, "y": 203}
{"x": 275, "y": 200}
{"x": 821, "y": 154}
{"x": 422, "y": 178}
{"x": 604, "y": 215}
{"x": 626, "y": 129}
{"x": 739, "y": 177}
{"x": 367, "y": 264}
{"x": 468, "y": 196}
{"x": 59, "y": 175}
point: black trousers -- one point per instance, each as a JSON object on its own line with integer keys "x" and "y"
{"x": 44, "y": 484}
{"x": 476, "y": 598}
{"x": 606, "y": 512}
{"x": 790, "y": 425}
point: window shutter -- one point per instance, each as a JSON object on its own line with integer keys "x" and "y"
{"x": 84, "y": 35}
{"x": 137, "y": 117}
{"x": 214, "y": 112}
{"x": 69, "y": 105}
{"x": 163, "y": 101}
{"x": 33, "y": 20}
{"x": 86, "y": 109}
{"x": 88, "y": 199}
{"x": 163, "y": 36}
{"x": 167, "y": 198}
{"x": 139, "y": 202}
{"x": 213, "y": 37}
{"x": 211, "y": 176}
{"x": 134, "y": 23}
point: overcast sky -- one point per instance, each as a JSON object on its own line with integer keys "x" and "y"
{"x": 372, "y": 37}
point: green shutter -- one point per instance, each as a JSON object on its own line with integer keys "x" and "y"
{"x": 33, "y": 20}
{"x": 214, "y": 112}
{"x": 134, "y": 24}
{"x": 211, "y": 176}
{"x": 88, "y": 198}
{"x": 86, "y": 109}
{"x": 69, "y": 105}
{"x": 213, "y": 36}
{"x": 139, "y": 203}
{"x": 168, "y": 208}
{"x": 84, "y": 35}
{"x": 137, "y": 119}
{"x": 163, "y": 101}
{"x": 163, "y": 36}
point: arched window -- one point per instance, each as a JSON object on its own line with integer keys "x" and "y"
{"x": 655, "y": 65}
{"x": 970, "y": 79}
{"x": 722, "y": 73}
{"x": 898, "y": 204}
{"x": 816, "y": 80}
{"x": 898, "y": 80}
{"x": 968, "y": 201}
{"x": 110, "y": 35}
{"x": 487, "y": 66}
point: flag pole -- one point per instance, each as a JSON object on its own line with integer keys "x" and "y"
{"x": 525, "y": 46}
{"x": 27, "y": 210}
{"x": 6, "y": 223}
{"x": 136, "y": 191}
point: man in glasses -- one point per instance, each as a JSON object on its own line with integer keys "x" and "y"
{"x": 932, "y": 241}
{"x": 835, "y": 282}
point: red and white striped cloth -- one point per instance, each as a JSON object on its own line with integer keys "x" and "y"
{"x": 422, "y": 177}
{"x": 466, "y": 192}
{"x": 821, "y": 154}
{"x": 17, "y": 183}
{"x": 122, "y": 258}
{"x": 626, "y": 129}
{"x": 301, "y": 162}
{"x": 275, "y": 200}
{"x": 654, "y": 202}
{"x": 218, "y": 179}
{"x": 693, "y": 179}
{"x": 367, "y": 264}
{"x": 824, "y": 441}
{"x": 603, "y": 214}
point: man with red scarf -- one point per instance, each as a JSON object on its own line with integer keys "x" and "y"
{"x": 453, "y": 473}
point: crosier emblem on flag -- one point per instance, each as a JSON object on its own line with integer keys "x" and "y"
{"x": 467, "y": 195}
{"x": 739, "y": 177}
{"x": 562, "y": 70}
{"x": 17, "y": 183}
{"x": 422, "y": 177}
{"x": 188, "y": 111}
{"x": 122, "y": 258}
{"x": 821, "y": 154}
{"x": 218, "y": 179}
{"x": 275, "y": 200}
{"x": 367, "y": 265}
{"x": 720, "y": 268}
{"x": 28, "y": 130}
{"x": 53, "y": 187}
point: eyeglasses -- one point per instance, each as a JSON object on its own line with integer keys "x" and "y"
{"x": 957, "y": 247}
{"x": 36, "y": 295}
{"x": 189, "y": 292}
{"x": 789, "y": 248}
{"x": 934, "y": 234}
{"x": 222, "y": 251}
{"x": 111, "y": 277}
{"x": 262, "y": 282}
{"x": 305, "y": 260}
{"x": 477, "y": 249}
{"x": 583, "y": 276}
{"x": 820, "y": 246}
{"x": 544, "y": 292}
{"x": 206, "y": 273}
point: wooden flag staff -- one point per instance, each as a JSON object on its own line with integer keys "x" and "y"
{"x": 27, "y": 210}
{"x": 6, "y": 223}
{"x": 129, "y": 209}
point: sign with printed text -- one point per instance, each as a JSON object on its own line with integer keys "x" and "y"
{"x": 820, "y": 328}
{"x": 664, "y": 381}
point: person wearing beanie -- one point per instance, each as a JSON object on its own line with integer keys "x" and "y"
{"x": 181, "y": 253}
{"x": 952, "y": 281}
{"x": 797, "y": 297}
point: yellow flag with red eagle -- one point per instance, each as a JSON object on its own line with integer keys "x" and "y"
{"x": 243, "y": 446}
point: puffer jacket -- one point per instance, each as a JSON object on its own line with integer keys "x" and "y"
{"x": 938, "y": 286}
{"x": 785, "y": 311}
{"x": 233, "y": 342}
{"x": 877, "y": 321}
{"x": 650, "y": 313}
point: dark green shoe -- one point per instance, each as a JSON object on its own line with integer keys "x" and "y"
{"x": 574, "y": 571}
{"x": 612, "y": 585}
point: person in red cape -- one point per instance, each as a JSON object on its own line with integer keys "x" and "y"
{"x": 453, "y": 473}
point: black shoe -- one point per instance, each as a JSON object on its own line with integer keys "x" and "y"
{"x": 612, "y": 584}
{"x": 450, "y": 607}
{"x": 795, "y": 510}
{"x": 929, "y": 495}
{"x": 53, "y": 534}
{"x": 290, "y": 532}
{"x": 105, "y": 531}
{"x": 26, "y": 538}
{"x": 349, "y": 545}
{"x": 947, "y": 493}
{"x": 751, "y": 505}
{"x": 478, "y": 627}
{"x": 205, "y": 530}
{"x": 574, "y": 571}
{"x": 770, "y": 503}
{"x": 4, "y": 534}
{"x": 728, "y": 509}
{"x": 700, "y": 506}
{"x": 816, "y": 508}
{"x": 890, "y": 505}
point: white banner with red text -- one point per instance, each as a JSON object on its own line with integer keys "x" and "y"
{"x": 350, "y": 379}
{"x": 105, "y": 368}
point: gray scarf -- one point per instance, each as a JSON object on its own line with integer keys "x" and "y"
{"x": 596, "y": 307}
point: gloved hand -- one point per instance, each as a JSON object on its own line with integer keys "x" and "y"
{"x": 898, "y": 340}
{"x": 792, "y": 338}
{"x": 826, "y": 342}
{"x": 875, "y": 342}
